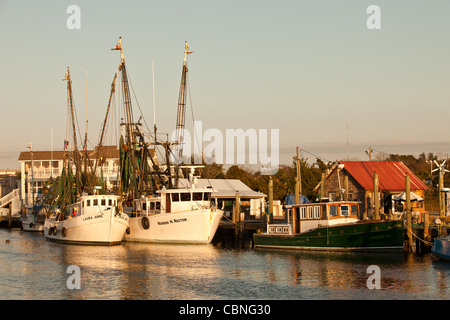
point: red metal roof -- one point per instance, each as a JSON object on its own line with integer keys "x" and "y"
{"x": 391, "y": 175}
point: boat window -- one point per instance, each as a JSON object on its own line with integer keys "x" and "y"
{"x": 333, "y": 211}
{"x": 185, "y": 196}
{"x": 158, "y": 205}
{"x": 197, "y": 196}
{"x": 95, "y": 202}
{"x": 317, "y": 212}
{"x": 310, "y": 212}
{"x": 88, "y": 203}
{"x": 354, "y": 209}
{"x": 207, "y": 196}
{"x": 152, "y": 206}
{"x": 175, "y": 197}
{"x": 110, "y": 202}
{"x": 103, "y": 202}
{"x": 344, "y": 210}
{"x": 82, "y": 204}
{"x": 303, "y": 213}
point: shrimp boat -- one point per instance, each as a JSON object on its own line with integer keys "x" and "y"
{"x": 76, "y": 216}
{"x": 161, "y": 210}
{"x": 331, "y": 226}
{"x": 186, "y": 216}
{"x": 94, "y": 219}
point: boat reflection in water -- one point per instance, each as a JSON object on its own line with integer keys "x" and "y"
{"x": 33, "y": 268}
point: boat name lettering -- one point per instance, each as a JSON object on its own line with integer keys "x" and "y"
{"x": 172, "y": 221}
{"x": 91, "y": 218}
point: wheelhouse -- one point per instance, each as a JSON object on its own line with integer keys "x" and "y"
{"x": 175, "y": 200}
{"x": 304, "y": 217}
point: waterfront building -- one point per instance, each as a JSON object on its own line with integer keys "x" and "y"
{"x": 354, "y": 181}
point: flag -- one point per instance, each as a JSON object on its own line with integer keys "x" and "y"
{"x": 66, "y": 144}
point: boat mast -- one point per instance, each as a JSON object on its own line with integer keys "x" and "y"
{"x": 100, "y": 144}
{"x": 182, "y": 101}
{"x": 76, "y": 154}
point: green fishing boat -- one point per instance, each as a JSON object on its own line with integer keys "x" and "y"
{"x": 333, "y": 226}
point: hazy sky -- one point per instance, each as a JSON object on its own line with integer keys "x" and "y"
{"x": 296, "y": 66}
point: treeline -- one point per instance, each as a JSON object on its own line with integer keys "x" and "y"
{"x": 284, "y": 179}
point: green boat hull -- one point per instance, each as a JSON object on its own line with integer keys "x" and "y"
{"x": 360, "y": 236}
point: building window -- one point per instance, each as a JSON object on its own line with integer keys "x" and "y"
{"x": 332, "y": 196}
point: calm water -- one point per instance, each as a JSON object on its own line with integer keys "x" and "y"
{"x": 33, "y": 268}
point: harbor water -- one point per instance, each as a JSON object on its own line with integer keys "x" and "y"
{"x": 33, "y": 268}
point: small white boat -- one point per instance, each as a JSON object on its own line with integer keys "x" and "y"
{"x": 94, "y": 219}
{"x": 175, "y": 216}
{"x": 31, "y": 222}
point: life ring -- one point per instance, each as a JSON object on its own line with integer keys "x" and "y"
{"x": 145, "y": 223}
{"x": 55, "y": 231}
{"x": 128, "y": 230}
{"x": 31, "y": 225}
{"x": 63, "y": 232}
{"x": 50, "y": 231}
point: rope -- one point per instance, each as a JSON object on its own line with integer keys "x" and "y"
{"x": 424, "y": 241}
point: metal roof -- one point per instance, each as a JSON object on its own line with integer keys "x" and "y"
{"x": 391, "y": 175}
{"x": 226, "y": 188}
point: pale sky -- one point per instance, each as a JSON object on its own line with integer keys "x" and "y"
{"x": 297, "y": 66}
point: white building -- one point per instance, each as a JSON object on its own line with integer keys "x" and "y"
{"x": 49, "y": 164}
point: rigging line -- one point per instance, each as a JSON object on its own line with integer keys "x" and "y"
{"x": 316, "y": 155}
{"x": 200, "y": 147}
{"x": 135, "y": 98}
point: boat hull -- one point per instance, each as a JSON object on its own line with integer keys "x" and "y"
{"x": 441, "y": 248}
{"x": 198, "y": 227}
{"x": 106, "y": 228}
{"x": 360, "y": 236}
{"x": 31, "y": 225}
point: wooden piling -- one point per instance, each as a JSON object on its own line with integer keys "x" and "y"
{"x": 426, "y": 226}
{"x": 346, "y": 188}
{"x": 271, "y": 200}
{"x": 376, "y": 200}
{"x": 408, "y": 247}
{"x": 297, "y": 191}
{"x": 236, "y": 214}
{"x": 322, "y": 186}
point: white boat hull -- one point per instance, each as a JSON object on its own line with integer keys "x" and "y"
{"x": 98, "y": 228}
{"x": 32, "y": 227}
{"x": 197, "y": 226}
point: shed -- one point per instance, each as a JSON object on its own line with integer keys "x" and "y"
{"x": 354, "y": 180}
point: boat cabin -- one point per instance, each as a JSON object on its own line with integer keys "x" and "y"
{"x": 175, "y": 200}
{"x": 92, "y": 204}
{"x": 305, "y": 217}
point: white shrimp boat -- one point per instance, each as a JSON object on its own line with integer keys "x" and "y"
{"x": 94, "y": 219}
{"x": 175, "y": 216}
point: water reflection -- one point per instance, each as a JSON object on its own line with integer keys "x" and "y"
{"x": 34, "y": 268}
